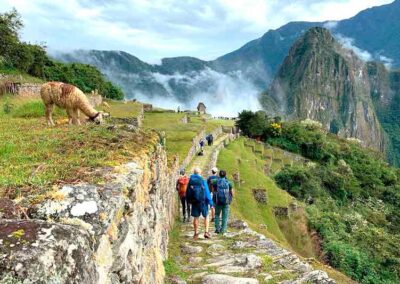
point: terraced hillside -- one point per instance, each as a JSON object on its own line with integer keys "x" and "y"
{"x": 256, "y": 249}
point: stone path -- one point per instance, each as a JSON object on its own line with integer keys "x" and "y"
{"x": 203, "y": 161}
{"x": 241, "y": 256}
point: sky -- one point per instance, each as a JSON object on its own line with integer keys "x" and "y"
{"x": 154, "y": 29}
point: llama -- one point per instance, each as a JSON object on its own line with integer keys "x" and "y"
{"x": 70, "y": 98}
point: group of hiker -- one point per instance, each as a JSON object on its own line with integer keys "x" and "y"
{"x": 200, "y": 196}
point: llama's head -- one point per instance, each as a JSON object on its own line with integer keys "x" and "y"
{"x": 99, "y": 117}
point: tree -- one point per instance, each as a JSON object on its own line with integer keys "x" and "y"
{"x": 253, "y": 124}
{"x": 10, "y": 25}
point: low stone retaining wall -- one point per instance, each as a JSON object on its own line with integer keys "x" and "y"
{"x": 215, "y": 153}
{"x": 116, "y": 232}
{"x": 29, "y": 90}
{"x": 193, "y": 150}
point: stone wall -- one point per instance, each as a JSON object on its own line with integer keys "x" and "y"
{"x": 215, "y": 153}
{"x": 116, "y": 232}
{"x": 29, "y": 90}
{"x": 193, "y": 150}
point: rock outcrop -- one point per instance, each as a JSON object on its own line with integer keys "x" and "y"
{"x": 115, "y": 232}
{"x": 322, "y": 81}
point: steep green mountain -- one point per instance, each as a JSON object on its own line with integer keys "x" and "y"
{"x": 322, "y": 81}
{"x": 385, "y": 92}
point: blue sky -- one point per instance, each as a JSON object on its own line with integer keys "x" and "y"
{"x": 153, "y": 29}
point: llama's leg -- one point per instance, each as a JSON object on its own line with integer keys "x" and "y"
{"x": 78, "y": 114}
{"x": 75, "y": 119}
{"x": 49, "y": 114}
{"x": 70, "y": 115}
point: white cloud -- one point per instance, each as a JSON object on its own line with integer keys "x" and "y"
{"x": 349, "y": 44}
{"x": 165, "y": 28}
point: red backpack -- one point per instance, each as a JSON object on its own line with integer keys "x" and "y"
{"x": 182, "y": 185}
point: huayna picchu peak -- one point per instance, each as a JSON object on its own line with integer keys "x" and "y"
{"x": 322, "y": 81}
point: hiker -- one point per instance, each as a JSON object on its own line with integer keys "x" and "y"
{"x": 210, "y": 182}
{"x": 181, "y": 187}
{"x": 223, "y": 198}
{"x": 198, "y": 195}
{"x": 201, "y": 152}
{"x": 211, "y": 140}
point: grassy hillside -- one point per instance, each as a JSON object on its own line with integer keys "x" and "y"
{"x": 34, "y": 157}
{"x": 249, "y": 160}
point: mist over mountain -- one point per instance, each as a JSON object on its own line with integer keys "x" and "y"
{"x": 374, "y": 34}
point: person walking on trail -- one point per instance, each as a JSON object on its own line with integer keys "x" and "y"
{"x": 223, "y": 198}
{"x": 199, "y": 196}
{"x": 181, "y": 187}
{"x": 210, "y": 182}
{"x": 211, "y": 140}
{"x": 202, "y": 144}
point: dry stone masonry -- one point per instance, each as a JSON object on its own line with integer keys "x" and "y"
{"x": 116, "y": 232}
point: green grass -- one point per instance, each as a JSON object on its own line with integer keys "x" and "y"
{"x": 119, "y": 109}
{"x": 34, "y": 157}
{"x": 179, "y": 135}
{"x": 14, "y": 75}
{"x": 251, "y": 169}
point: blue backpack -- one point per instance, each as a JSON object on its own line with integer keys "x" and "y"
{"x": 196, "y": 191}
{"x": 223, "y": 194}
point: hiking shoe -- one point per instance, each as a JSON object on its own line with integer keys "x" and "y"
{"x": 207, "y": 235}
{"x": 217, "y": 231}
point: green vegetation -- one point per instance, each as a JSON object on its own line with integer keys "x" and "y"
{"x": 22, "y": 60}
{"x": 180, "y": 135}
{"x": 239, "y": 158}
{"x": 120, "y": 109}
{"x": 34, "y": 157}
{"x": 353, "y": 198}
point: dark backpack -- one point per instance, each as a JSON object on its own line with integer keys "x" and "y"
{"x": 196, "y": 191}
{"x": 223, "y": 195}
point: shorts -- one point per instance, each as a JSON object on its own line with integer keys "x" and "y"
{"x": 199, "y": 209}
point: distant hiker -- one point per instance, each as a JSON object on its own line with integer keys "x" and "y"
{"x": 201, "y": 144}
{"x": 210, "y": 140}
{"x": 210, "y": 182}
{"x": 198, "y": 195}
{"x": 223, "y": 198}
{"x": 181, "y": 187}
{"x": 179, "y": 109}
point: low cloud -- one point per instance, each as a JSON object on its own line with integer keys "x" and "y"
{"x": 349, "y": 44}
{"x": 223, "y": 94}
{"x": 330, "y": 25}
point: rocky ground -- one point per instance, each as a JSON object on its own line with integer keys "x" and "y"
{"x": 241, "y": 256}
